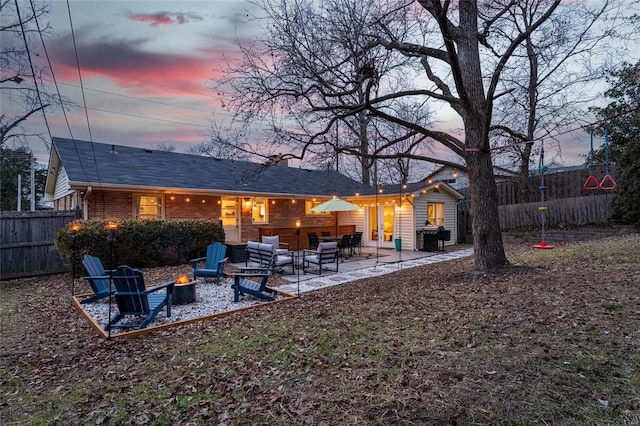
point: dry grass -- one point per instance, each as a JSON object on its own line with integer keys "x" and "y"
{"x": 553, "y": 340}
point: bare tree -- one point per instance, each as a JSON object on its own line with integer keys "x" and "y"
{"x": 226, "y": 143}
{"x": 440, "y": 46}
{"x": 314, "y": 60}
{"x": 24, "y": 81}
{"x": 167, "y": 147}
{"x": 550, "y": 76}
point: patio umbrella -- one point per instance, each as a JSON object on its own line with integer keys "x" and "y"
{"x": 335, "y": 205}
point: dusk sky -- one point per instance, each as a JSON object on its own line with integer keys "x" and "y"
{"x": 147, "y": 68}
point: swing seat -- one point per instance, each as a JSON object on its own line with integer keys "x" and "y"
{"x": 543, "y": 245}
{"x": 608, "y": 183}
{"x": 591, "y": 183}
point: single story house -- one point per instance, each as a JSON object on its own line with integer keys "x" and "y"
{"x": 106, "y": 181}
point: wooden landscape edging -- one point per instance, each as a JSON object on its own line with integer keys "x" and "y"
{"x": 135, "y": 333}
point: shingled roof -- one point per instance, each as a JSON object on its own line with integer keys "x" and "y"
{"x": 100, "y": 164}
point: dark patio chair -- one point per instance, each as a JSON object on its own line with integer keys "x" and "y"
{"x": 214, "y": 262}
{"x": 135, "y": 299}
{"x": 356, "y": 243}
{"x": 345, "y": 245}
{"x": 313, "y": 240}
{"x": 98, "y": 279}
{"x": 242, "y": 284}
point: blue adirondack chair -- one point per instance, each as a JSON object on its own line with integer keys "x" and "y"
{"x": 98, "y": 278}
{"x": 214, "y": 262}
{"x": 241, "y": 284}
{"x": 135, "y": 299}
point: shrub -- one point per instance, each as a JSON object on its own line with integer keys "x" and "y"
{"x": 139, "y": 243}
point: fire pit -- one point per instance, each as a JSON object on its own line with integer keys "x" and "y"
{"x": 184, "y": 291}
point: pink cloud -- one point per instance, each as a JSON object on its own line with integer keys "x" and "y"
{"x": 144, "y": 72}
{"x": 163, "y": 18}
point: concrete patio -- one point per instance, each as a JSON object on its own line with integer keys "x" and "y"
{"x": 370, "y": 263}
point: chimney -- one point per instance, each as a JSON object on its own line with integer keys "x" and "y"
{"x": 113, "y": 149}
{"x": 283, "y": 162}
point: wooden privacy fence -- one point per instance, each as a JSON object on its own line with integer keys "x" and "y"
{"x": 26, "y": 243}
{"x": 567, "y": 211}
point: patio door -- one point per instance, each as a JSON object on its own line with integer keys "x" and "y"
{"x": 230, "y": 223}
{"x": 380, "y": 225}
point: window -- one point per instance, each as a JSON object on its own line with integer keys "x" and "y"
{"x": 259, "y": 212}
{"x": 435, "y": 213}
{"x": 308, "y": 205}
{"x": 148, "y": 207}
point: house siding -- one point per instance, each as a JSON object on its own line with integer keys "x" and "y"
{"x": 62, "y": 188}
{"x": 450, "y": 215}
{"x": 404, "y": 225}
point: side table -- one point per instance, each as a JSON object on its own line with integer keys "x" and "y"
{"x": 236, "y": 251}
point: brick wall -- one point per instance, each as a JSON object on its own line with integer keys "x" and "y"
{"x": 110, "y": 205}
{"x": 282, "y": 214}
{"x": 192, "y": 207}
{"x": 120, "y": 205}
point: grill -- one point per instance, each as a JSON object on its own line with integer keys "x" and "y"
{"x": 430, "y": 237}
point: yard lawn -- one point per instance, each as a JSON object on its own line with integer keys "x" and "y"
{"x": 553, "y": 340}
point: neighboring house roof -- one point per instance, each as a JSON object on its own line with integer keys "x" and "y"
{"x": 417, "y": 187}
{"x": 446, "y": 170}
{"x": 106, "y": 165}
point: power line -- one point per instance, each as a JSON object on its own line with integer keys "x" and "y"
{"x": 142, "y": 99}
{"x": 147, "y": 118}
{"x": 33, "y": 72}
{"x": 573, "y": 129}
{"x": 66, "y": 119}
{"x": 86, "y": 112}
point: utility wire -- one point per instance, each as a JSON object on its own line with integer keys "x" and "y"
{"x": 84, "y": 100}
{"x": 498, "y": 148}
{"x": 33, "y": 72}
{"x": 55, "y": 83}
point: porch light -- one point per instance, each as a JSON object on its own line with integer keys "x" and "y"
{"x": 74, "y": 229}
{"x": 188, "y": 200}
{"x": 203, "y": 201}
{"x": 298, "y": 223}
{"x": 111, "y": 228}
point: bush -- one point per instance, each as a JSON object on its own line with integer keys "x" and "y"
{"x": 139, "y": 243}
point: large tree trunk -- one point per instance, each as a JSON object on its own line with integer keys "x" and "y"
{"x": 485, "y": 222}
{"x": 476, "y": 115}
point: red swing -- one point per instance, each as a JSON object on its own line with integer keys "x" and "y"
{"x": 607, "y": 183}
